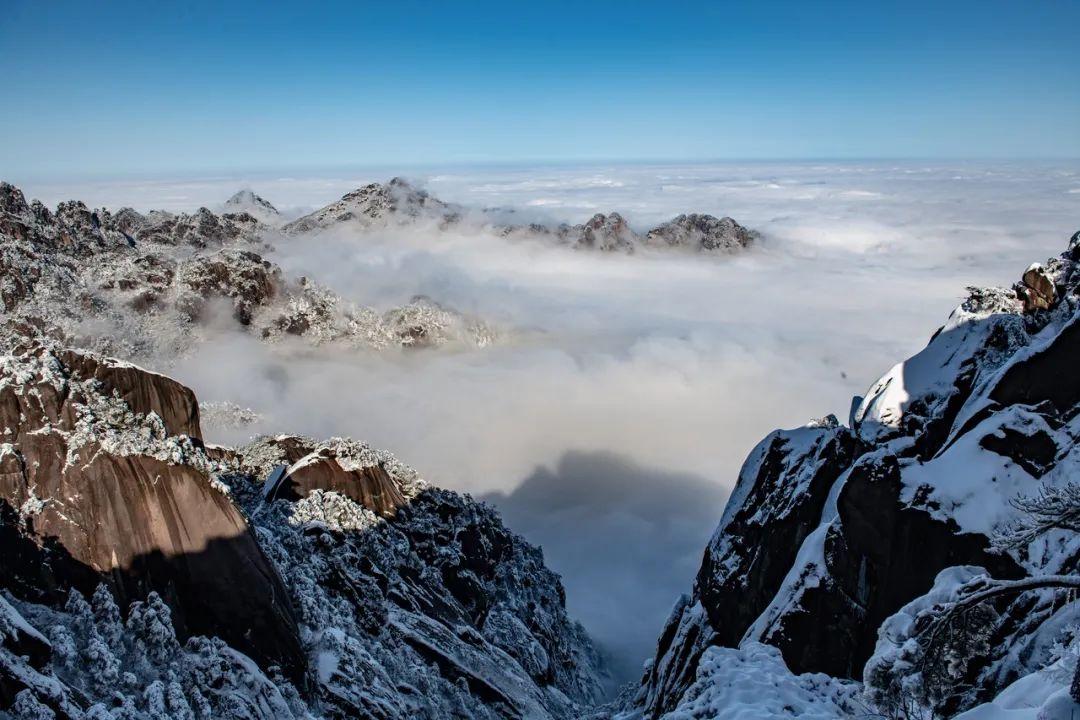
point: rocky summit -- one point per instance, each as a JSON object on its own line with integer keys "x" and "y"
{"x": 144, "y": 287}
{"x": 398, "y": 204}
{"x": 246, "y": 201}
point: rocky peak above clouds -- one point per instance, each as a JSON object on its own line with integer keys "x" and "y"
{"x": 156, "y": 279}
{"x": 376, "y": 205}
{"x": 701, "y": 232}
{"x": 398, "y": 203}
{"x": 246, "y": 201}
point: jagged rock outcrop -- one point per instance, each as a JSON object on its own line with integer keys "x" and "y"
{"x": 201, "y": 229}
{"x": 321, "y": 316}
{"x": 602, "y": 232}
{"x": 103, "y": 465}
{"x": 242, "y": 276}
{"x": 376, "y": 205}
{"x": 340, "y": 467}
{"x": 701, "y": 232}
{"x": 831, "y": 530}
{"x": 140, "y": 569}
{"x": 1036, "y": 291}
{"x": 790, "y": 473}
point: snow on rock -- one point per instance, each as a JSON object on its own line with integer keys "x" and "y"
{"x": 376, "y": 205}
{"x": 227, "y": 415}
{"x": 702, "y": 232}
{"x": 159, "y": 283}
{"x": 100, "y": 452}
{"x": 752, "y": 682}
{"x": 1042, "y": 695}
{"x": 831, "y": 532}
{"x": 246, "y": 201}
{"x": 438, "y": 607}
{"x": 398, "y": 203}
{"x": 322, "y": 317}
{"x": 145, "y": 575}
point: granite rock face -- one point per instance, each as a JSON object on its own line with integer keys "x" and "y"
{"x": 288, "y": 578}
{"x": 831, "y": 530}
{"x": 104, "y": 468}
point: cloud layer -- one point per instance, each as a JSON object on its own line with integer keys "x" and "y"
{"x": 612, "y": 420}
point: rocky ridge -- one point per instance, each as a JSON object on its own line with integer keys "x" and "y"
{"x": 144, "y": 574}
{"x": 834, "y": 534}
{"x": 398, "y": 203}
{"x": 146, "y": 286}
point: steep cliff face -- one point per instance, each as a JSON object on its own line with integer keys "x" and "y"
{"x": 142, "y": 573}
{"x": 104, "y": 466}
{"x": 831, "y": 530}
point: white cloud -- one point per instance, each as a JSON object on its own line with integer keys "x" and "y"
{"x": 676, "y": 363}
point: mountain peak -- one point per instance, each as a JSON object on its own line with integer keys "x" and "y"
{"x": 246, "y": 200}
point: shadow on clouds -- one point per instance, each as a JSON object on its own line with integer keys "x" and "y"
{"x": 627, "y": 540}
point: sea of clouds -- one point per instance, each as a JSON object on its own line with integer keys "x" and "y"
{"x": 611, "y": 421}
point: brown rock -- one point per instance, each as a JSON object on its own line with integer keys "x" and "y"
{"x": 1038, "y": 291}
{"x": 105, "y": 492}
{"x": 320, "y": 467}
{"x": 142, "y": 390}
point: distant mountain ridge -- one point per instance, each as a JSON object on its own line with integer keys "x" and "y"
{"x": 399, "y": 203}
{"x": 153, "y": 281}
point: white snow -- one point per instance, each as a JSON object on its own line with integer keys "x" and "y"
{"x": 752, "y": 682}
{"x": 1037, "y": 696}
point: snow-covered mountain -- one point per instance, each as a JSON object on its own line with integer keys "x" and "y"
{"x": 919, "y": 561}
{"x": 376, "y": 205}
{"x": 146, "y": 574}
{"x": 246, "y": 201}
{"x": 841, "y": 545}
{"x": 398, "y": 203}
{"x": 146, "y": 286}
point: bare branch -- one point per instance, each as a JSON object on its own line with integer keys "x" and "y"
{"x": 1052, "y": 508}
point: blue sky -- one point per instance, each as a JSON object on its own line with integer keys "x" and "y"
{"x": 116, "y": 87}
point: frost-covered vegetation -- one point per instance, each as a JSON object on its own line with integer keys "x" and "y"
{"x": 422, "y": 605}
{"x": 152, "y": 286}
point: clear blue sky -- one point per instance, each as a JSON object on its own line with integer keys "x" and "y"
{"x": 119, "y": 87}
